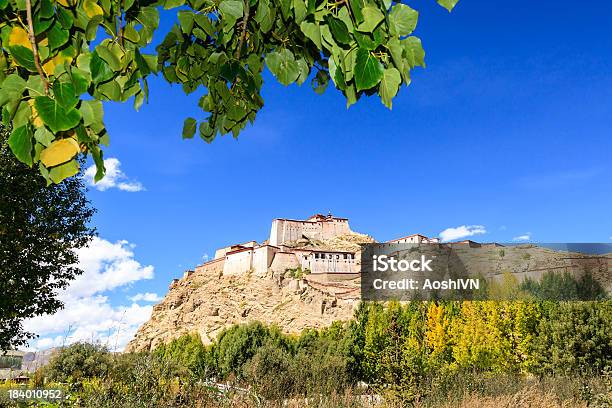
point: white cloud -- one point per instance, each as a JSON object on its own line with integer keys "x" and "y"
{"x": 114, "y": 177}
{"x": 451, "y": 234}
{"x": 147, "y": 297}
{"x": 524, "y": 237}
{"x": 88, "y": 314}
{"x": 107, "y": 266}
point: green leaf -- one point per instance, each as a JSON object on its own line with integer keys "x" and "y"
{"x": 368, "y": 70}
{"x": 328, "y": 38}
{"x": 231, "y": 10}
{"x": 65, "y": 18}
{"x": 100, "y": 71}
{"x": 320, "y": 81}
{"x": 356, "y": 7}
{"x": 365, "y": 41}
{"x": 395, "y": 49}
{"x": 207, "y": 133}
{"x": 402, "y": 20}
{"x": 338, "y": 30}
{"x": 46, "y": 9}
{"x": 337, "y": 74}
{"x": 65, "y": 95}
{"x": 98, "y": 156}
{"x": 22, "y": 114}
{"x": 130, "y": 33}
{"x": 59, "y": 173}
{"x": 186, "y": 20}
{"x": 80, "y": 80}
{"x": 372, "y": 16}
{"x": 43, "y": 136}
{"x": 23, "y": 56}
{"x": 283, "y": 65}
{"x": 92, "y": 27}
{"x": 12, "y": 88}
{"x": 57, "y": 36}
{"x": 303, "y": 69}
{"x": 448, "y": 4}
{"x": 170, "y": 4}
{"x": 110, "y": 90}
{"x": 299, "y": 10}
{"x": 139, "y": 100}
{"x": 20, "y": 142}
{"x": 92, "y": 112}
{"x": 41, "y": 24}
{"x": 389, "y": 85}
{"x": 345, "y": 17}
{"x": 189, "y": 128}
{"x": 109, "y": 56}
{"x": 285, "y": 6}
{"x": 312, "y": 31}
{"x": 54, "y": 116}
{"x": 413, "y": 52}
{"x": 149, "y": 18}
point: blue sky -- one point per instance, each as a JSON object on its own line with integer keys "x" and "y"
{"x": 508, "y": 129}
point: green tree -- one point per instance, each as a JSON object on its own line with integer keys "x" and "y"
{"x": 79, "y": 361}
{"x": 189, "y": 351}
{"x": 40, "y": 228}
{"x": 238, "y": 344}
{"x": 564, "y": 286}
{"x": 60, "y": 59}
{"x": 574, "y": 337}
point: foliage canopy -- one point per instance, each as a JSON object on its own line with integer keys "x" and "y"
{"x": 40, "y": 227}
{"x": 59, "y": 60}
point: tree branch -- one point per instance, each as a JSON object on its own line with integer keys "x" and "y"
{"x": 34, "y": 46}
{"x": 245, "y": 20}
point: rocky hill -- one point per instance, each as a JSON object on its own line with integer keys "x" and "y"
{"x": 206, "y": 301}
{"x": 206, "y": 304}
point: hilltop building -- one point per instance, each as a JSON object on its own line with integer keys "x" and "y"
{"x": 415, "y": 239}
{"x": 318, "y": 227}
{"x": 280, "y": 253}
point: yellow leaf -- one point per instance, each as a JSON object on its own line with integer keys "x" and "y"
{"x": 60, "y": 151}
{"x": 65, "y": 3}
{"x": 92, "y": 9}
{"x": 36, "y": 120}
{"x": 19, "y": 36}
{"x": 59, "y": 59}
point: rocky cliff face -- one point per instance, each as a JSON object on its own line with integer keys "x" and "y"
{"x": 206, "y": 304}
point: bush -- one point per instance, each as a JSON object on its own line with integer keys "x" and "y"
{"x": 238, "y": 344}
{"x": 78, "y": 361}
{"x": 189, "y": 352}
{"x": 563, "y": 286}
{"x": 269, "y": 372}
{"x": 575, "y": 337}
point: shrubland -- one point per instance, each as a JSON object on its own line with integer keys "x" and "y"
{"x": 421, "y": 353}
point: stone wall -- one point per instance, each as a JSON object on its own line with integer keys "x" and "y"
{"x": 238, "y": 262}
{"x": 283, "y": 261}
{"x": 292, "y": 230}
{"x": 330, "y": 262}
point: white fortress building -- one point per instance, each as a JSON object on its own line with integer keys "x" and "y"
{"x": 318, "y": 227}
{"x": 282, "y": 252}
